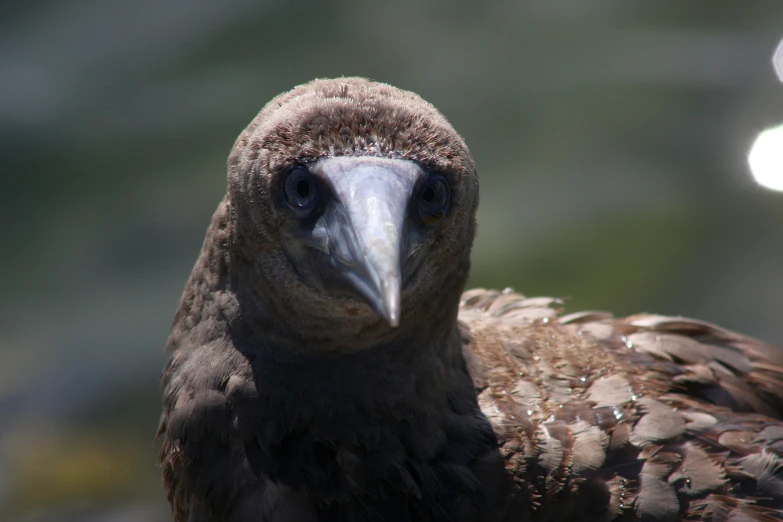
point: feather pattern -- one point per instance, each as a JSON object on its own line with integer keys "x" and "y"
{"x": 639, "y": 418}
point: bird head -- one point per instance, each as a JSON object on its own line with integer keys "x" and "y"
{"x": 351, "y": 202}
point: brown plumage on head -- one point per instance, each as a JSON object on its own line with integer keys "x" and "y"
{"x": 347, "y": 117}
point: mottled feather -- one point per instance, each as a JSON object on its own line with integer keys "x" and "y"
{"x": 680, "y": 446}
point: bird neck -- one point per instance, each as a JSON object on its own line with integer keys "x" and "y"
{"x": 334, "y": 360}
{"x": 351, "y": 427}
{"x": 371, "y": 414}
{"x": 401, "y": 374}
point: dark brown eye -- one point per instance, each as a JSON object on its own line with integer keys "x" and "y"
{"x": 434, "y": 199}
{"x": 300, "y": 191}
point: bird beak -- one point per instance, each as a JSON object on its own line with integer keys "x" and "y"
{"x": 363, "y": 231}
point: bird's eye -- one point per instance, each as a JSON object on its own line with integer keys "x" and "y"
{"x": 300, "y": 190}
{"x": 434, "y": 199}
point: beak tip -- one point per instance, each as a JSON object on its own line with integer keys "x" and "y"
{"x": 391, "y": 302}
{"x": 394, "y": 321}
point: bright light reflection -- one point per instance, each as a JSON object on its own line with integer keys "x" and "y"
{"x": 766, "y": 158}
{"x": 777, "y": 60}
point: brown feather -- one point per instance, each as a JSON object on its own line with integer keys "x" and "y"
{"x": 285, "y": 401}
{"x": 672, "y": 440}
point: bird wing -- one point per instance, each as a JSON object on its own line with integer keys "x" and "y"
{"x": 644, "y": 417}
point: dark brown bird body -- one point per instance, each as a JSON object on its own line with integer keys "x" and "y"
{"x": 318, "y": 374}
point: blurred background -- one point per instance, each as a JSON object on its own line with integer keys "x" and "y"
{"x": 612, "y": 140}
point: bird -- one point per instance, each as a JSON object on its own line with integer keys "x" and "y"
{"x": 325, "y": 362}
